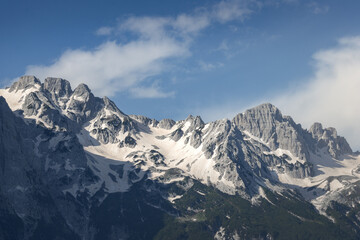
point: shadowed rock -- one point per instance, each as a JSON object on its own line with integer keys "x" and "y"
{"x": 328, "y": 138}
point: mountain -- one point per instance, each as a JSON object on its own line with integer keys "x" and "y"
{"x": 74, "y": 166}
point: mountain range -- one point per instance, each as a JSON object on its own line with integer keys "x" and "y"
{"x": 74, "y": 166}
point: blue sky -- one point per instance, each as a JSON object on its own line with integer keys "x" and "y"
{"x": 169, "y": 59}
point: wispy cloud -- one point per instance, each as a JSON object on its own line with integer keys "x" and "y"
{"x": 226, "y": 11}
{"x": 224, "y": 46}
{"x": 114, "y": 67}
{"x": 103, "y": 31}
{"x": 318, "y": 8}
{"x": 209, "y": 66}
{"x": 153, "y": 91}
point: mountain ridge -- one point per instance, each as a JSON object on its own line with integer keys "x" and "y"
{"x": 87, "y": 149}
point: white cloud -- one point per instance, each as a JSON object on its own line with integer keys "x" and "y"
{"x": 332, "y": 96}
{"x": 186, "y": 24}
{"x": 191, "y": 24}
{"x": 209, "y": 66}
{"x": 146, "y": 27}
{"x": 114, "y": 67}
{"x": 153, "y": 91}
{"x": 103, "y": 31}
{"x": 229, "y": 10}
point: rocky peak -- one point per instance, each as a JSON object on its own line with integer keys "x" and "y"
{"x": 111, "y": 106}
{"x": 166, "y": 123}
{"x": 277, "y": 131}
{"x": 145, "y": 120}
{"x": 31, "y": 104}
{"x": 327, "y": 137}
{"x": 25, "y": 82}
{"x": 58, "y": 86}
{"x": 260, "y": 121}
{"x": 316, "y": 130}
{"x": 260, "y": 117}
{"x": 83, "y": 104}
{"x": 83, "y": 91}
{"x": 195, "y": 123}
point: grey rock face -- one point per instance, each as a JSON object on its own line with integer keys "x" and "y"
{"x": 190, "y": 128}
{"x": 328, "y": 138}
{"x": 81, "y": 101}
{"x": 59, "y": 90}
{"x": 111, "y": 128}
{"x": 31, "y": 105}
{"x": 22, "y": 176}
{"x": 37, "y": 104}
{"x": 56, "y": 105}
{"x": 222, "y": 127}
{"x": 266, "y": 122}
{"x": 110, "y": 105}
{"x": 83, "y": 105}
{"x": 299, "y": 170}
{"x": 177, "y": 134}
{"x": 24, "y": 83}
{"x": 129, "y": 142}
{"x": 195, "y": 139}
{"x": 58, "y": 87}
{"x": 152, "y": 156}
{"x": 145, "y": 121}
{"x": 196, "y": 123}
{"x": 166, "y": 123}
{"x": 83, "y": 91}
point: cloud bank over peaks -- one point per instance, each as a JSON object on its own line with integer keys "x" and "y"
{"x": 332, "y": 96}
{"x": 114, "y": 67}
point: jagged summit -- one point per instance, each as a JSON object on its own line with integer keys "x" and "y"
{"x": 264, "y": 121}
{"x": 82, "y": 89}
{"x": 260, "y": 140}
{"x": 24, "y": 83}
{"x": 167, "y": 123}
{"x": 265, "y": 107}
{"x": 110, "y": 105}
{"x": 267, "y": 123}
{"x": 329, "y": 139}
{"x": 267, "y": 115}
{"x": 58, "y": 86}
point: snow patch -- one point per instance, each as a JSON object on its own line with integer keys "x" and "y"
{"x": 252, "y": 137}
{"x": 280, "y": 152}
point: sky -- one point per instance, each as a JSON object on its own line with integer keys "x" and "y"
{"x": 169, "y": 59}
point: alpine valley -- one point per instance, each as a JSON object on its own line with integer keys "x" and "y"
{"x": 74, "y": 166}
